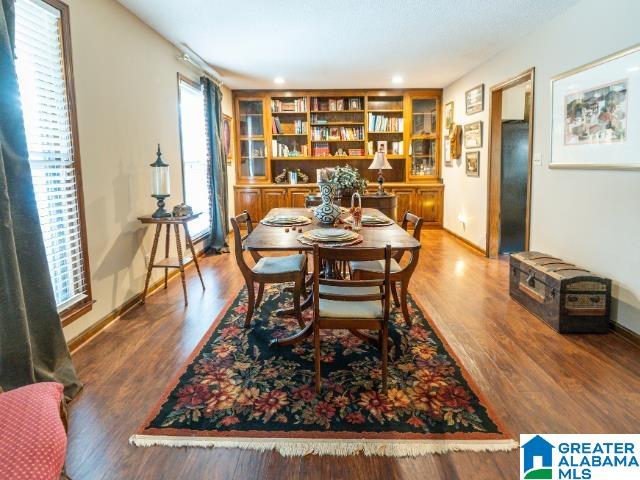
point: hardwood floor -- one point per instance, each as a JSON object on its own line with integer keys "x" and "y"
{"x": 536, "y": 380}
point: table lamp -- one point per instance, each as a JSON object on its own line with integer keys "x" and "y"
{"x": 380, "y": 162}
{"x": 160, "y": 184}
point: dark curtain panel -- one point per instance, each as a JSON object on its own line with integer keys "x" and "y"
{"x": 32, "y": 346}
{"x": 218, "y": 188}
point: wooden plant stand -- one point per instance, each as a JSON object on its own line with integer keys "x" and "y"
{"x": 167, "y": 262}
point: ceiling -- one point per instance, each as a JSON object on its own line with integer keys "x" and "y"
{"x": 344, "y": 43}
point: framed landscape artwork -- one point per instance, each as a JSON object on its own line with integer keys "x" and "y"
{"x": 595, "y": 114}
{"x": 474, "y": 100}
{"x": 448, "y": 115}
{"x": 473, "y": 135}
{"x": 227, "y": 137}
{"x": 472, "y": 161}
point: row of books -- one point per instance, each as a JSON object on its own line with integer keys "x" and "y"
{"x": 337, "y": 133}
{"x": 283, "y": 150}
{"x": 390, "y": 148}
{"x": 335, "y": 104}
{"x": 297, "y": 126}
{"x": 322, "y": 150}
{"x": 292, "y": 105}
{"x": 383, "y": 123}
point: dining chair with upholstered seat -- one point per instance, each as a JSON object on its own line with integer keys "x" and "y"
{"x": 399, "y": 274}
{"x": 290, "y": 268}
{"x": 352, "y": 304}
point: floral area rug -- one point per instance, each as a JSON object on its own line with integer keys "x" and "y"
{"x": 237, "y": 391}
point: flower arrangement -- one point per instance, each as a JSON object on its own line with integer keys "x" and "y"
{"x": 348, "y": 179}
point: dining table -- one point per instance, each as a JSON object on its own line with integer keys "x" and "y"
{"x": 267, "y": 238}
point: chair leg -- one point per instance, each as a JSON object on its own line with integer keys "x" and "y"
{"x": 385, "y": 355}
{"x": 260, "y": 293}
{"x": 316, "y": 355}
{"x": 403, "y": 303}
{"x": 394, "y": 292}
{"x": 251, "y": 303}
{"x": 297, "y": 289}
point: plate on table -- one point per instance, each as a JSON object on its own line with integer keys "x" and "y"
{"x": 330, "y": 235}
{"x": 285, "y": 220}
{"x": 372, "y": 221}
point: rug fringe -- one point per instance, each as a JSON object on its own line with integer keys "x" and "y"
{"x": 300, "y": 447}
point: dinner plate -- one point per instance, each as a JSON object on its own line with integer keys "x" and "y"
{"x": 286, "y": 220}
{"x": 330, "y": 234}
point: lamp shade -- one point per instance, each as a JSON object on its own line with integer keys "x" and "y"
{"x": 380, "y": 162}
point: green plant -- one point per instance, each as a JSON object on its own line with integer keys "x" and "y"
{"x": 348, "y": 178}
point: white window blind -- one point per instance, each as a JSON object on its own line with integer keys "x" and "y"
{"x": 194, "y": 156}
{"x": 43, "y": 92}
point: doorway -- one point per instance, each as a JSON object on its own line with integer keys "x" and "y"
{"x": 510, "y": 151}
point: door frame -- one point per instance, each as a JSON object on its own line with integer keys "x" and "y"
{"x": 495, "y": 161}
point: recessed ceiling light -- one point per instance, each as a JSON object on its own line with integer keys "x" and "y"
{"x": 397, "y": 79}
{"x": 278, "y": 80}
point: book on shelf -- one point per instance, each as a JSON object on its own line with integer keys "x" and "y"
{"x": 298, "y": 127}
{"x": 384, "y": 123}
{"x": 356, "y": 152}
{"x": 289, "y": 105}
{"x": 279, "y": 149}
{"x": 337, "y": 133}
{"x": 320, "y": 149}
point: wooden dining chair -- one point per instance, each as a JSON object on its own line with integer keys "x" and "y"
{"x": 290, "y": 268}
{"x": 374, "y": 269}
{"x": 352, "y": 304}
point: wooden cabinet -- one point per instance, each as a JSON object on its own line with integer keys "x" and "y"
{"x": 429, "y": 205}
{"x": 273, "y": 198}
{"x": 297, "y": 197}
{"x": 406, "y": 201}
{"x": 249, "y": 199}
{"x": 424, "y": 200}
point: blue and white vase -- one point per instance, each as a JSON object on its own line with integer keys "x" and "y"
{"x": 327, "y": 212}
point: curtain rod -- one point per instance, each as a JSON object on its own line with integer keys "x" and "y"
{"x": 190, "y": 57}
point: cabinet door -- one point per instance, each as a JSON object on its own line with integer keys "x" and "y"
{"x": 429, "y": 205}
{"x": 249, "y": 199}
{"x": 273, "y": 198}
{"x": 405, "y": 202}
{"x": 297, "y": 197}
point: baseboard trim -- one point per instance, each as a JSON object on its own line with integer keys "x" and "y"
{"x": 627, "y": 334}
{"x": 83, "y": 338}
{"x": 466, "y": 242}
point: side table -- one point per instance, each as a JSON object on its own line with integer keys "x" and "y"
{"x": 167, "y": 262}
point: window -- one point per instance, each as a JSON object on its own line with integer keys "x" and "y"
{"x": 43, "y": 63}
{"x": 193, "y": 138}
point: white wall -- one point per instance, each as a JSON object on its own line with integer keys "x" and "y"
{"x": 586, "y": 217}
{"x": 127, "y": 101}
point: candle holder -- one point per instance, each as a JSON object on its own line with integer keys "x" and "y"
{"x": 160, "y": 187}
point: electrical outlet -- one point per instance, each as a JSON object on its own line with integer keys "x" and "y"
{"x": 147, "y": 259}
{"x": 537, "y": 159}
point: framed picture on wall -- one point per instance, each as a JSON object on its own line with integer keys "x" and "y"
{"x": 473, "y": 135}
{"x": 474, "y": 100}
{"x": 447, "y": 152}
{"x": 595, "y": 111}
{"x": 227, "y": 137}
{"x": 448, "y": 115}
{"x": 472, "y": 162}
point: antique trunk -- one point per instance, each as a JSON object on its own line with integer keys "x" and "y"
{"x": 567, "y": 297}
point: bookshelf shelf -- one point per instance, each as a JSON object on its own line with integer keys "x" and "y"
{"x": 336, "y": 141}
{"x": 386, "y": 133}
{"x": 329, "y": 124}
{"x": 337, "y": 111}
{"x": 288, "y": 134}
{"x": 385, "y": 111}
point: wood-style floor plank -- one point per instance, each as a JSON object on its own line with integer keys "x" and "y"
{"x": 535, "y": 379}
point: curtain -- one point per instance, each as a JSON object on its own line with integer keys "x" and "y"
{"x": 218, "y": 187}
{"x": 32, "y": 345}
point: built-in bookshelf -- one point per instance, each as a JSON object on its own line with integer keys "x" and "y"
{"x": 327, "y": 128}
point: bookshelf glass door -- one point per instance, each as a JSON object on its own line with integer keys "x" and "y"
{"x": 423, "y": 155}
{"x": 423, "y": 151}
{"x": 253, "y": 153}
{"x": 424, "y": 116}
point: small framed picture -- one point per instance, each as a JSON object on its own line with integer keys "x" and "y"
{"x": 473, "y": 135}
{"x": 448, "y": 115}
{"x": 472, "y": 161}
{"x": 334, "y": 133}
{"x": 332, "y": 105}
{"x": 447, "y": 152}
{"x": 227, "y": 138}
{"x": 474, "y": 99}
{"x": 340, "y": 104}
{"x": 381, "y": 146}
{"x": 354, "y": 104}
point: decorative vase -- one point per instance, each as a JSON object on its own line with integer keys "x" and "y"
{"x": 327, "y": 212}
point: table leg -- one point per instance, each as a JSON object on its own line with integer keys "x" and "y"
{"x": 166, "y": 254}
{"x": 180, "y": 264}
{"x": 293, "y": 339}
{"x": 152, "y": 259}
{"x": 187, "y": 237}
